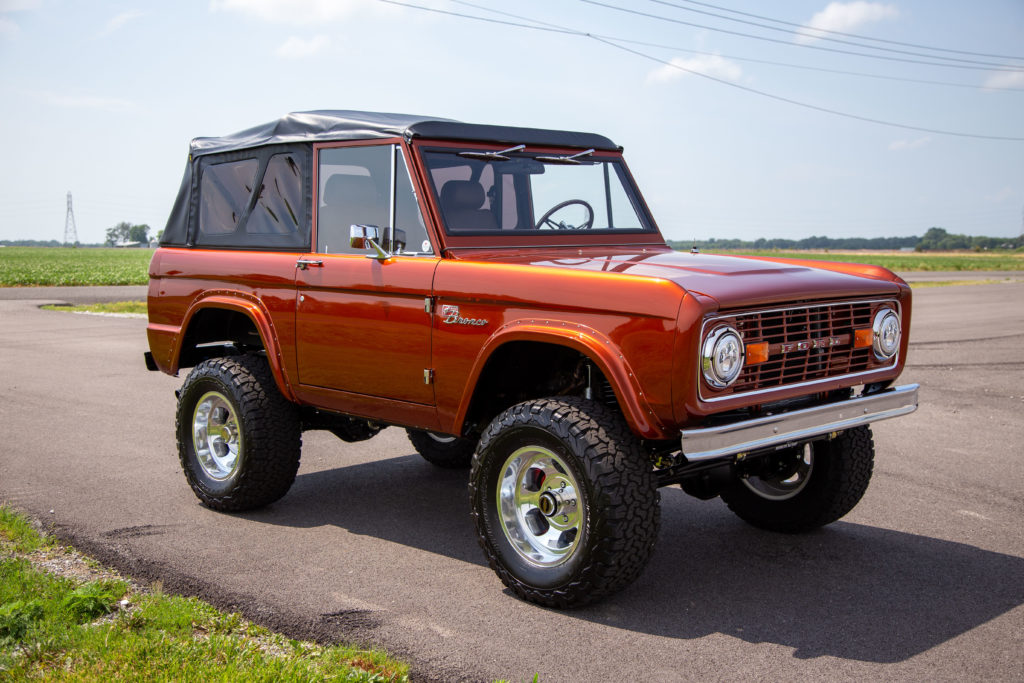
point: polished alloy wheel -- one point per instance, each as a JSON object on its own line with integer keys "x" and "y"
{"x": 216, "y": 435}
{"x": 539, "y": 505}
{"x": 787, "y": 484}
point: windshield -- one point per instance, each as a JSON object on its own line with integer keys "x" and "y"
{"x": 489, "y": 193}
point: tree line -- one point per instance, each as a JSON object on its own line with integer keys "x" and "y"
{"x": 936, "y": 239}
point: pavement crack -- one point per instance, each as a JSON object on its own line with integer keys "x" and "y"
{"x": 136, "y": 531}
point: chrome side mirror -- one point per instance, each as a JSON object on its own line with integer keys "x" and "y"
{"x": 367, "y": 237}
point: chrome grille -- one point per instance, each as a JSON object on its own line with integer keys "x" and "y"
{"x": 806, "y": 343}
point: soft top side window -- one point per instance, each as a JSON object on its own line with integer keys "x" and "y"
{"x": 224, "y": 193}
{"x": 258, "y": 201}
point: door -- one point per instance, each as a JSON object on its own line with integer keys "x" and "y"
{"x": 362, "y": 325}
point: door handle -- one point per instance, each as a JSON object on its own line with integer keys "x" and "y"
{"x": 303, "y": 264}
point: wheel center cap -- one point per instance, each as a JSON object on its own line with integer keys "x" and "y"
{"x": 548, "y": 504}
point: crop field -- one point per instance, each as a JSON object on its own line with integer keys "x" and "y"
{"x": 908, "y": 261}
{"x": 41, "y": 266}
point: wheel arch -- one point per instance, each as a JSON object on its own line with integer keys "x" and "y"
{"x": 541, "y": 340}
{"x": 229, "y": 317}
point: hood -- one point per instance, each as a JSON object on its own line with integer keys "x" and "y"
{"x": 733, "y": 281}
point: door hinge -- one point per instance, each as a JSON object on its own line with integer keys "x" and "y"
{"x": 428, "y": 304}
{"x": 428, "y": 375}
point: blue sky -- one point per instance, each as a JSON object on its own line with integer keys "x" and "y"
{"x": 101, "y": 99}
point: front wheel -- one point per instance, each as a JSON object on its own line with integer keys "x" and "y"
{"x": 239, "y": 439}
{"x": 806, "y": 487}
{"x": 564, "y": 501}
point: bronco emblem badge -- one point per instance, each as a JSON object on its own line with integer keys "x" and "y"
{"x": 450, "y": 316}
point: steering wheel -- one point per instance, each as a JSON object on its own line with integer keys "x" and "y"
{"x": 561, "y": 225}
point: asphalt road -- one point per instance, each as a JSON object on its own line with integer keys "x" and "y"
{"x": 924, "y": 580}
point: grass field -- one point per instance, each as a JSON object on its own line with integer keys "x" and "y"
{"x": 908, "y": 261}
{"x": 36, "y": 266}
{"x": 55, "y": 267}
{"x": 132, "y": 307}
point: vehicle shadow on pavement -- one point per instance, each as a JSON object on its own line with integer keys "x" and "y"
{"x": 848, "y": 590}
{"x": 404, "y": 500}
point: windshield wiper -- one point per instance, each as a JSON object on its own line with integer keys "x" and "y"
{"x": 574, "y": 159}
{"x": 492, "y": 156}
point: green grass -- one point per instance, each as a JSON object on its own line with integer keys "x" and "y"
{"x": 59, "y": 629}
{"x": 957, "y": 283}
{"x": 107, "y": 307}
{"x": 903, "y": 262}
{"x": 38, "y": 267}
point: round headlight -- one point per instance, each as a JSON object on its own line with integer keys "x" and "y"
{"x": 722, "y": 356}
{"x": 885, "y": 331}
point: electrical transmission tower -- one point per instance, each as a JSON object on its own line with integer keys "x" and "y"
{"x": 70, "y": 232}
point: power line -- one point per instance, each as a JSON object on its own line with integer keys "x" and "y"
{"x": 807, "y": 105}
{"x": 861, "y": 74}
{"x": 973, "y": 65}
{"x": 838, "y": 33}
{"x": 803, "y": 32}
{"x": 553, "y": 28}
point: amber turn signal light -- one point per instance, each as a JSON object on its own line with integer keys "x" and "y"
{"x": 862, "y": 338}
{"x": 758, "y": 353}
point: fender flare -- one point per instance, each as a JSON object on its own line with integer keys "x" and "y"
{"x": 252, "y": 308}
{"x": 589, "y": 342}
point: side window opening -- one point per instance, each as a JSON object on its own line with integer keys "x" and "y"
{"x": 356, "y": 187}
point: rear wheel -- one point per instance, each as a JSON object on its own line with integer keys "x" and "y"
{"x": 443, "y": 450}
{"x": 564, "y": 501}
{"x": 807, "y": 487}
{"x": 239, "y": 439}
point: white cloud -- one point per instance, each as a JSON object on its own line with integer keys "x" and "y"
{"x": 899, "y": 145}
{"x": 110, "y": 104}
{"x": 297, "y": 48}
{"x": 8, "y": 28}
{"x": 848, "y": 16}
{"x": 1004, "y": 80}
{"x": 709, "y": 65}
{"x": 117, "y": 22}
{"x": 292, "y": 11}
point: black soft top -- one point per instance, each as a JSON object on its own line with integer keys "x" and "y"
{"x": 295, "y": 131}
{"x": 324, "y": 125}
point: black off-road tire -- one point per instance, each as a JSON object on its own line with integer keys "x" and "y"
{"x": 453, "y": 452}
{"x": 840, "y": 476}
{"x": 616, "y": 489}
{"x": 268, "y": 426}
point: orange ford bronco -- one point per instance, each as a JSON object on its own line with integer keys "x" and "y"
{"x": 504, "y": 295}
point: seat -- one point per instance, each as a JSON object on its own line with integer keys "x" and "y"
{"x": 348, "y": 200}
{"x": 460, "y": 205}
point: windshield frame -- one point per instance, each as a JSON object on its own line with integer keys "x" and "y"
{"x": 648, "y": 235}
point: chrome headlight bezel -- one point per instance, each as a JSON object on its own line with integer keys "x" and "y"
{"x": 886, "y": 333}
{"x": 722, "y": 356}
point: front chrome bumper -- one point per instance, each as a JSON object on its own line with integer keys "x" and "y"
{"x": 797, "y": 425}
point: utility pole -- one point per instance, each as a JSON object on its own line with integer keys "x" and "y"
{"x": 70, "y": 232}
